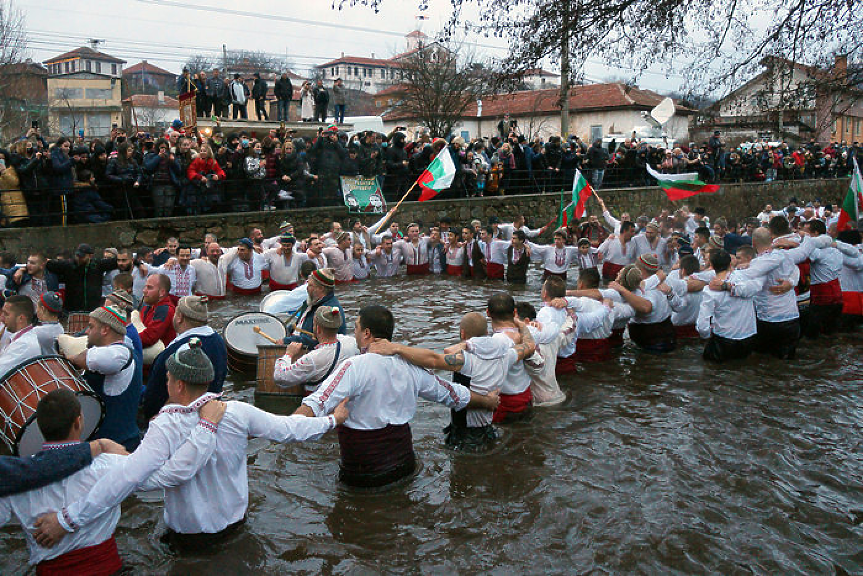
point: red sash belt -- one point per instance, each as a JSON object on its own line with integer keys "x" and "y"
{"x": 265, "y": 275}
{"x": 686, "y": 332}
{"x": 566, "y": 365}
{"x": 853, "y": 303}
{"x": 826, "y": 294}
{"x": 512, "y": 404}
{"x": 454, "y": 270}
{"x": 494, "y": 271}
{"x": 210, "y": 296}
{"x": 611, "y": 270}
{"x": 99, "y": 560}
{"x": 616, "y": 338}
{"x": 371, "y": 457}
{"x": 592, "y": 350}
{"x": 276, "y": 286}
{"x": 548, "y": 273}
{"x": 246, "y": 291}
{"x": 418, "y": 269}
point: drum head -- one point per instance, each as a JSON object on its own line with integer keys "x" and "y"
{"x": 31, "y": 440}
{"x": 278, "y": 302}
{"x": 240, "y": 336}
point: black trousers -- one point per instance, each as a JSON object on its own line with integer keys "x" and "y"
{"x": 719, "y": 349}
{"x": 261, "y": 109}
{"x": 778, "y": 339}
{"x": 240, "y": 109}
{"x": 820, "y": 319}
{"x": 320, "y": 113}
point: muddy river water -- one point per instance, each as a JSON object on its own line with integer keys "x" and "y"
{"x": 653, "y": 465}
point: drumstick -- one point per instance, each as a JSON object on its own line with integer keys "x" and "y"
{"x": 258, "y": 330}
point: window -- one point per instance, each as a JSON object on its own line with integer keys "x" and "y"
{"x": 383, "y": 74}
{"x": 69, "y": 123}
{"x": 72, "y": 65}
{"x": 857, "y": 126}
{"x": 99, "y": 93}
{"x": 69, "y": 93}
{"x": 98, "y": 67}
{"x": 66, "y": 67}
{"x": 89, "y": 65}
{"x": 392, "y": 74}
{"x": 356, "y": 71}
{"x": 114, "y": 69}
{"x": 595, "y": 133}
{"x": 98, "y": 124}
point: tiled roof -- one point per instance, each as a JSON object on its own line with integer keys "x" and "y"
{"x": 581, "y": 99}
{"x": 147, "y": 68}
{"x": 152, "y": 101}
{"x": 84, "y": 52}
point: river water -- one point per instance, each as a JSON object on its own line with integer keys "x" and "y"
{"x": 653, "y": 465}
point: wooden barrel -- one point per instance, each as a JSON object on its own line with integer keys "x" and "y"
{"x": 265, "y": 384}
{"x": 77, "y": 322}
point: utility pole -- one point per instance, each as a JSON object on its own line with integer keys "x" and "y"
{"x": 225, "y": 58}
{"x": 564, "y": 73}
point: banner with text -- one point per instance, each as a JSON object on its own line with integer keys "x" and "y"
{"x": 363, "y": 195}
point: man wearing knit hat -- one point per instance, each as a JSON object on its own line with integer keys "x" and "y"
{"x": 213, "y": 502}
{"x": 190, "y": 321}
{"x": 284, "y": 264}
{"x": 285, "y": 228}
{"x": 651, "y": 327}
{"x": 126, "y": 303}
{"x": 243, "y": 266}
{"x": 320, "y": 285}
{"x": 113, "y": 370}
{"x": 296, "y": 369}
{"x": 651, "y": 243}
{"x": 48, "y": 311}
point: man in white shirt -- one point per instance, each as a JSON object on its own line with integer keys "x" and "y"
{"x": 651, "y": 243}
{"x": 557, "y": 258}
{"x": 339, "y": 258}
{"x": 182, "y": 274}
{"x": 284, "y": 264}
{"x": 304, "y": 372}
{"x": 479, "y": 362}
{"x": 209, "y": 279}
{"x": 506, "y": 230}
{"x": 205, "y": 500}
{"x": 414, "y": 251}
{"x": 651, "y": 327}
{"x": 684, "y": 308}
{"x": 243, "y": 266}
{"x": 48, "y": 311}
{"x": 727, "y": 320}
{"x": 386, "y": 259}
{"x": 17, "y": 315}
{"x": 617, "y": 251}
{"x": 375, "y": 441}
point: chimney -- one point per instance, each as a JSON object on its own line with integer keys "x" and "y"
{"x": 343, "y": 54}
{"x": 373, "y": 54}
{"x": 840, "y": 67}
{"x": 160, "y": 96}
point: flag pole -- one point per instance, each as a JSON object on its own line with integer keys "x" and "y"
{"x": 397, "y": 206}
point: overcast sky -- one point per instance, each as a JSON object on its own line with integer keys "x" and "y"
{"x": 167, "y": 32}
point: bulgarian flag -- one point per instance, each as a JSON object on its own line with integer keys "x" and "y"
{"x": 581, "y": 191}
{"x": 850, "y": 209}
{"x": 438, "y": 176}
{"x": 680, "y": 186}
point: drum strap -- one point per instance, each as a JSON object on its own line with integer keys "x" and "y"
{"x": 131, "y": 355}
{"x": 332, "y": 366}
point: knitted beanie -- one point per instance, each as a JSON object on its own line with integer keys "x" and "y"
{"x": 122, "y": 299}
{"x": 328, "y": 317}
{"x": 630, "y": 277}
{"x": 52, "y": 302}
{"x": 112, "y": 317}
{"x": 325, "y": 277}
{"x": 649, "y": 261}
{"x": 193, "y": 308}
{"x": 716, "y": 242}
{"x": 191, "y": 364}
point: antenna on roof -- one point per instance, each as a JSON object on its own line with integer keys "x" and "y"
{"x": 94, "y": 43}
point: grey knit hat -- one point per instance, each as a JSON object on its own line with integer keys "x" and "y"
{"x": 112, "y": 317}
{"x": 193, "y": 307}
{"x": 190, "y": 364}
{"x": 122, "y": 299}
{"x": 328, "y": 317}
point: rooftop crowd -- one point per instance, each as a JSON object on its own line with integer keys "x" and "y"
{"x": 145, "y": 175}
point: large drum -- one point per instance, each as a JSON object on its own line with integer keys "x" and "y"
{"x": 22, "y": 388}
{"x": 242, "y": 341}
{"x": 77, "y": 322}
{"x": 282, "y": 302}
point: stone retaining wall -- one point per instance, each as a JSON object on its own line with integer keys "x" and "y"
{"x": 733, "y": 200}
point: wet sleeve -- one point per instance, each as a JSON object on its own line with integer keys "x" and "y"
{"x": 286, "y": 428}
{"x": 187, "y": 460}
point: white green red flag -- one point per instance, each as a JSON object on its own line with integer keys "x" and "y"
{"x": 438, "y": 176}
{"x": 574, "y": 210}
{"x": 680, "y": 186}
{"x": 850, "y": 210}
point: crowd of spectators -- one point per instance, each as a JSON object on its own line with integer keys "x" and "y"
{"x": 144, "y": 175}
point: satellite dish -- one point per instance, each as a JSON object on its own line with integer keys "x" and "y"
{"x": 663, "y": 111}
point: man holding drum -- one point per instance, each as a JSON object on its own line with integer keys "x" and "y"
{"x": 17, "y": 315}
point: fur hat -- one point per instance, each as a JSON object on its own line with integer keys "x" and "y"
{"x": 112, "y": 317}
{"x": 328, "y": 317}
{"x": 191, "y": 364}
{"x": 193, "y": 308}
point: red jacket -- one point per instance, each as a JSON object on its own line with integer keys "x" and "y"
{"x": 200, "y": 167}
{"x": 158, "y": 322}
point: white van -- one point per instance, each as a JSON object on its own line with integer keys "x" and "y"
{"x": 365, "y": 123}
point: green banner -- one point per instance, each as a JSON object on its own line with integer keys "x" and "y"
{"x": 363, "y": 195}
